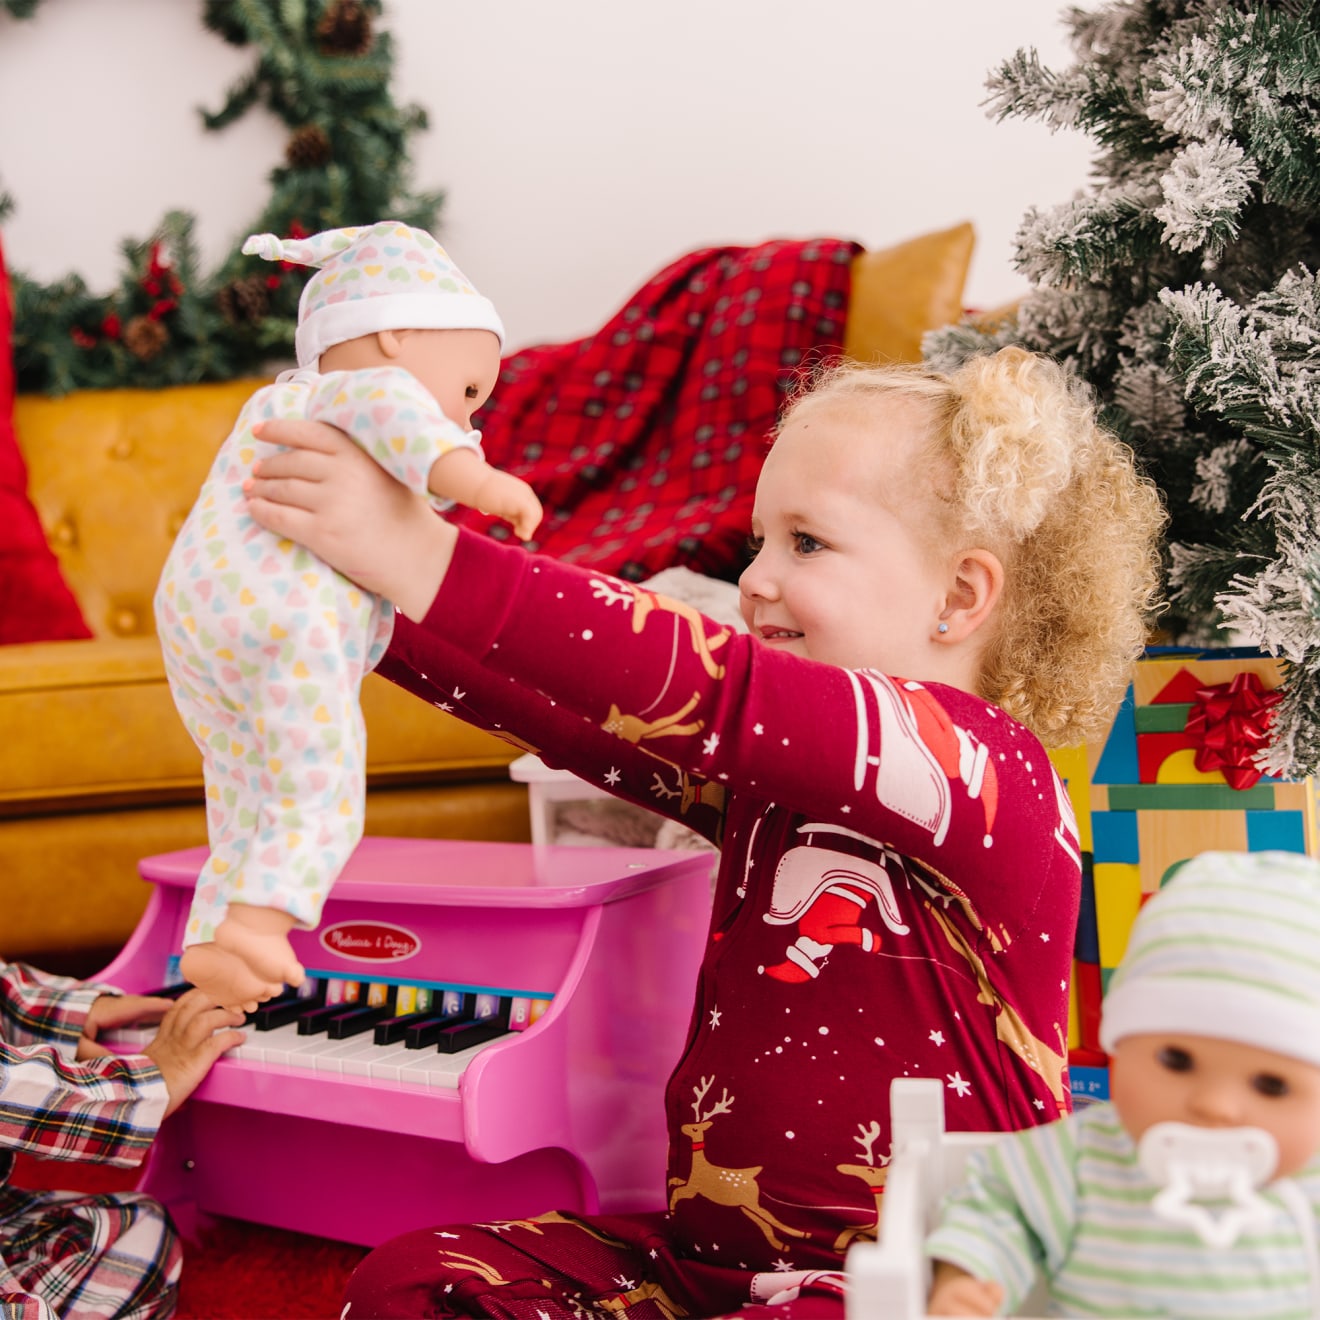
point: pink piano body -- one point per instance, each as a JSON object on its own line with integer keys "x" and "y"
{"x": 566, "y": 1114}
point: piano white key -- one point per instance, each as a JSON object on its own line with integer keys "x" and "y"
{"x": 128, "y": 1040}
{"x": 274, "y": 1044}
{"x": 443, "y": 1070}
{"x": 358, "y": 1063}
{"x": 330, "y": 1059}
{"x": 389, "y": 1062}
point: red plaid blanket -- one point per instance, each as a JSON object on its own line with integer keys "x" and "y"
{"x": 644, "y": 441}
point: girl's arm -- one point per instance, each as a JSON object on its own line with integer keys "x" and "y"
{"x": 323, "y": 492}
{"x": 927, "y": 770}
{"x": 326, "y": 494}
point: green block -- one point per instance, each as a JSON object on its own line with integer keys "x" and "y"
{"x": 1190, "y": 797}
{"x": 1163, "y": 719}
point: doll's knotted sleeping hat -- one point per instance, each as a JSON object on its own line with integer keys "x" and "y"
{"x": 1229, "y": 948}
{"x": 386, "y": 276}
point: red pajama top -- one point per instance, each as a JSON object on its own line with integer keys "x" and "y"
{"x": 897, "y": 889}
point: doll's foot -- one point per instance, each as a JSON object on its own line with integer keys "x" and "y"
{"x": 225, "y": 979}
{"x": 259, "y": 938}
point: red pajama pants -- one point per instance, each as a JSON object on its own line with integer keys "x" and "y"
{"x": 563, "y": 1267}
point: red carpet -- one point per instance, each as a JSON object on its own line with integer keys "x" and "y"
{"x": 239, "y": 1271}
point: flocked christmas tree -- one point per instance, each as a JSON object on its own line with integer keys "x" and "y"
{"x": 323, "y": 68}
{"x": 1183, "y": 286}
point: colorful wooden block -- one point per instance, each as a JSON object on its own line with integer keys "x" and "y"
{"x": 1144, "y": 808}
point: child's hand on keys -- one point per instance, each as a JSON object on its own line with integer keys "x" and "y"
{"x": 193, "y": 1034}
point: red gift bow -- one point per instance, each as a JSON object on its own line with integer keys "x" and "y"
{"x": 1230, "y": 723}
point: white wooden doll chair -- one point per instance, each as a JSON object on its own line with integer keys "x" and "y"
{"x": 888, "y": 1279}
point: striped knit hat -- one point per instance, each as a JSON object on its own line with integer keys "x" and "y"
{"x": 386, "y": 276}
{"x": 1229, "y": 948}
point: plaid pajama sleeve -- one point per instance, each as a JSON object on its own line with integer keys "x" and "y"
{"x": 106, "y": 1109}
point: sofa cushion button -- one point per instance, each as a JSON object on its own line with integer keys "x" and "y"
{"x": 125, "y": 622}
{"x": 121, "y": 449}
{"x": 174, "y": 523}
{"x": 63, "y": 534}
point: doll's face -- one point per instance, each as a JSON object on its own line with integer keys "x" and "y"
{"x": 1157, "y": 1078}
{"x": 458, "y": 368}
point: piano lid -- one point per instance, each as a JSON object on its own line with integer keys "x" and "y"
{"x": 477, "y": 873}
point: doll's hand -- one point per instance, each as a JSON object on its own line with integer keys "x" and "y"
{"x": 110, "y": 1011}
{"x": 958, "y": 1293}
{"x": 326, "y": 494}
{"x": 511, "y": 498}
{"x": 193, "y": 1035}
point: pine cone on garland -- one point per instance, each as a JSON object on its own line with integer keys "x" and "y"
{"x": 244, "y": 301}
{"x": 308, "y": 148}
{"x": 344, "y": 29}
{"x": 145, "y": 338}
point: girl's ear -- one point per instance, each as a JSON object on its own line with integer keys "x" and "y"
{"x": 978, "y": 583}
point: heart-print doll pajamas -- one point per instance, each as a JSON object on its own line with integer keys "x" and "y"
{"x": 266, "y": 646}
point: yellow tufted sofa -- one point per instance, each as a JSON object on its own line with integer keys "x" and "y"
{"x": 96, "y": 769}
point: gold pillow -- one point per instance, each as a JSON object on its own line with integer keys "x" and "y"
{"x": 899, "y": 293}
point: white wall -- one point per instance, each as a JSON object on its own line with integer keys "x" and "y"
{"x": 583, "y": 143}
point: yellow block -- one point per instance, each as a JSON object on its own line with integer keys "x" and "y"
{"x": 1074, "y": 1017}
{"x": 1074, "y": 769}
{"x": 1180, "y": 768}
{"x": 1117, "y": 901}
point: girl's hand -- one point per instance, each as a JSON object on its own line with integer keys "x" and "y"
{"x": 192, "y": 1036}
{"x": 110, "y": 1011}
{"x": 328, "y": 495}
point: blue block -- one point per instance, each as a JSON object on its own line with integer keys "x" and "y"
{"x": 1114, "y": 836}
{"x": 1088, "y": 1085}
{"x": 1118, "y": 761}
{"x": 1086, "y": 943}
{"x": 1281, "y": 830}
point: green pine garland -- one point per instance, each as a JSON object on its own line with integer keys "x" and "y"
{"x": 323, "y": 68}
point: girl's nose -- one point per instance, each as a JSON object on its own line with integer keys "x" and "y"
{"x": 755, "y": 583}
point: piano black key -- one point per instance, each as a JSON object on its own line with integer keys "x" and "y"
{"x": 391, "y": 1031}
{"x": 280, "y": 1012}
{"x": 453, "y": 1039}
{"x": 169, "y": 991}
{"x": 422, "y": 1035}
{"x": 317, "y": 1019}
{"x": 355, "y": 1021}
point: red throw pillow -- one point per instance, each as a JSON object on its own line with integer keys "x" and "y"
{"x": 35, "y": 603}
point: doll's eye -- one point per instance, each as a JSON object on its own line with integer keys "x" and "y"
{"x": 1174, "y": 1059}
{"x": 1268, "y": 1084}
{"x": 472, "y": 392}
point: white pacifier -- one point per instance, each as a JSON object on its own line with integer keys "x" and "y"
{"x": 1208, "y": 1177}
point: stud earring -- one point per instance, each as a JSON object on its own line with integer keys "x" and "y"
{"x": 943, "y": 628}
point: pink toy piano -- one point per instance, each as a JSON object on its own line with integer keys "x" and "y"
{"x": 485, "y": 1035}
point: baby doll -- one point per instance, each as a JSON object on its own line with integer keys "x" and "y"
{"x": 265, "y": 645}
{"x": 1145, "y": 1205}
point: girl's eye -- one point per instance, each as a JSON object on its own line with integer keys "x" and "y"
{"x": 1174, "y": 1059}
{"x": 1267, "y": 1084}
{"x": 806, "y": 543}
{"x": 754, "y": 544}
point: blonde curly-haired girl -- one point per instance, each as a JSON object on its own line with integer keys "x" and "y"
{"x": 1012, "y": 457}
{"x": 948, "y": 572}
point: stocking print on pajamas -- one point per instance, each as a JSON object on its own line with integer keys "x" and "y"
{"x": 266, "y": 647}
